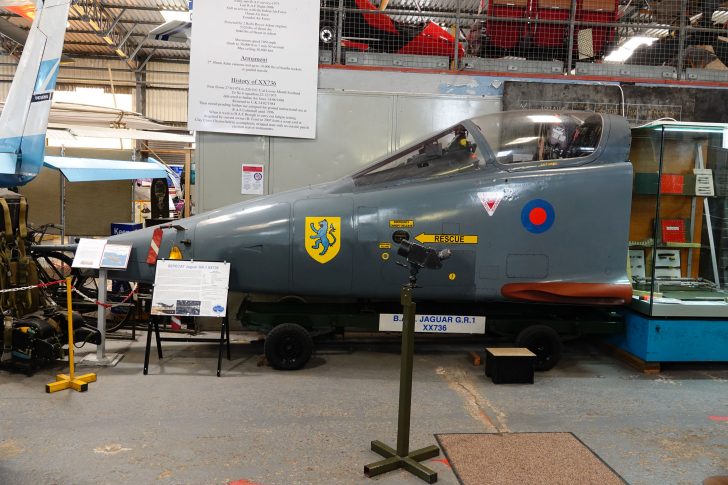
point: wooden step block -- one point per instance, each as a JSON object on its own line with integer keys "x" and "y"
{"x": 510, "y": 365}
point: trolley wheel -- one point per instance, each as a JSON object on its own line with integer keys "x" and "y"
{"x": 288, "y": 346}
{"x": 543, "y": 341}
{"x": 327, "y": 35}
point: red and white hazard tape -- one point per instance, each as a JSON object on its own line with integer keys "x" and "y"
{"x": 106, "y": 305}
{"x": 75, "y": 290}
{"x": 26, "y": 288}
{"x": 154, "y": 246}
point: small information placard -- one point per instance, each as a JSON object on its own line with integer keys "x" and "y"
{"x": 704, "y": 182}
{"x": 89, "y": 253}
{"x": 434, "y": 323}
{"x": 115, "y": 256}
{"x": 191, "y": 288}
{"x": 253, "y": 179}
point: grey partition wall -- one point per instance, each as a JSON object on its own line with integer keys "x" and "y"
{"x": 353, "y": 128}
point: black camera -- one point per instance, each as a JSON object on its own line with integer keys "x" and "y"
{"x": 421, "y": 256}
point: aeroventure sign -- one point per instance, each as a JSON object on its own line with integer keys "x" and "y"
{"x": 254, "y": 67}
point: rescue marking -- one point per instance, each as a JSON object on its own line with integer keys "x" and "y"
{"x": 322, "y": 238}
{"x": 538, "y": 216}
{"x": 401, "y": 224}
{"x": 490, "y": 201}
{"x": 452, "y": 276}
{"x": 446, "y": 239}
{"x": 385, "y": 256}
{"x": 385, "y": 245}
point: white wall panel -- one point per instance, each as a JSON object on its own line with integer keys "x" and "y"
{"x": 219, "y": 159}
{"x": 351, "y": 130}
{"x": 418, "y": 115}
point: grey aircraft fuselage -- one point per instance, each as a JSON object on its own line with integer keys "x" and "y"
{"x": 520, "y": 226}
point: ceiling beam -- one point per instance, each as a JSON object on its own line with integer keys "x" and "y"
{"x": 108, "y": 27}
{"x": 141, "y": 7}
{"x": 136, "y": 49}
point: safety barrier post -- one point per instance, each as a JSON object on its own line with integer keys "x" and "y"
{"x": 70, "y": 381}
{"x": 101, "y": 320}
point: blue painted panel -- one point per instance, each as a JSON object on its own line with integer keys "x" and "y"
{"x": 662, "y": 340}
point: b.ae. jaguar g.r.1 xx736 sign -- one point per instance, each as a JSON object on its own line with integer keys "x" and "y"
{"x": 434, "y": 323}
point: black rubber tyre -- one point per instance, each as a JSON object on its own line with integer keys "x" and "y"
{"x": 288, "y": 346}
{"x": 543, "y": 341}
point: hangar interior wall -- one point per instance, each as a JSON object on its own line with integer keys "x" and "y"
{"x": 166, "y": 83}
{"x": 361, "y": 116}
{"x": 90, "y": 207}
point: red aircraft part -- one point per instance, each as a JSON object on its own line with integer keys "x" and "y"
{"x": 432, "y": 41}
{"x": 350, "y": 44}
{"x": 556, "y": 292}
{"x": 394, "y": 37}
{"x": 27, "y": 11}
{"x": 378, "y": 21}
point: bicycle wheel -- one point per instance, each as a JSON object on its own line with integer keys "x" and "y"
{"x": 54, "y": 266}
{"x": 116, "y": 316}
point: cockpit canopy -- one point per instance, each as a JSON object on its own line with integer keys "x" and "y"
{"x": 506, "y": 139}
{"x": 525, "y": 136}
{"x": 451, "y": 152}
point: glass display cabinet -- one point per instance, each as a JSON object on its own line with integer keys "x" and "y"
{"x": 678, "y": 247}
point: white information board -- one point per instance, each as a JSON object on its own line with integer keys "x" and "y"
{"x": 191, "y": 288}
{"x": 434, "y": 323}
{"x": 89, "y": 253}
{"x": 254, "y": 67}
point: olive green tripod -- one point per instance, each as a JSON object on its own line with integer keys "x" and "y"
{"x": 402, "y": 457}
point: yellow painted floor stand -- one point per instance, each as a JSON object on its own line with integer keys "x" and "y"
{"x": 70, "y": 381}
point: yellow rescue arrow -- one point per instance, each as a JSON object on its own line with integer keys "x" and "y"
{"x": 446, "y": 239}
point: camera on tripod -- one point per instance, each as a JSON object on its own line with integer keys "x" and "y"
{"x": 421, "y": 257}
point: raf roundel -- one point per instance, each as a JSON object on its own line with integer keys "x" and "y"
{"x": 538, "y": 216}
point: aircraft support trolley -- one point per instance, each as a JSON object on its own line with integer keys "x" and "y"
{"x": 541, "y": 328}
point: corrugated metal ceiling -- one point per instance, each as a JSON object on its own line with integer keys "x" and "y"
{"x": 135, "y": 17}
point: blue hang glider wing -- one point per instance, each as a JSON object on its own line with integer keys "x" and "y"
{"x": 92, "y": 170}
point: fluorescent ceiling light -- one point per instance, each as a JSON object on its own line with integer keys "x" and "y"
{"x": 519, "y": 141}
{"x": 544, "y": 118}
{"x": 625, "y": 51}
{"x": 695, "y": 129}
{"x": 170, "y": 15}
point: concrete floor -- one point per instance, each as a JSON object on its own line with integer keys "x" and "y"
{"x": 182, "y": 425}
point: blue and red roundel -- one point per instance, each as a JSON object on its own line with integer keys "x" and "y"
{"x": 538, "y": 216}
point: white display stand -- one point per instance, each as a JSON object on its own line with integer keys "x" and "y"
{"x": 192, "y": 289}
{"x": 96, "y": 254}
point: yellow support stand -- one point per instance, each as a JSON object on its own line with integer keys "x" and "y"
{"x": 70, "y": 381}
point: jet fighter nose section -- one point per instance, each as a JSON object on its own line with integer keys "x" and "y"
{"x": 253, "y": 236}
{"x": 151, "y": 244}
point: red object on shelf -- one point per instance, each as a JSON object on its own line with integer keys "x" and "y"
{"x": 672, "y": 184}
{"x": 673, "y": 231}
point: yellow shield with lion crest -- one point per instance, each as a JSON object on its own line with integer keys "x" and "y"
{"x": 323, "y": 238}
